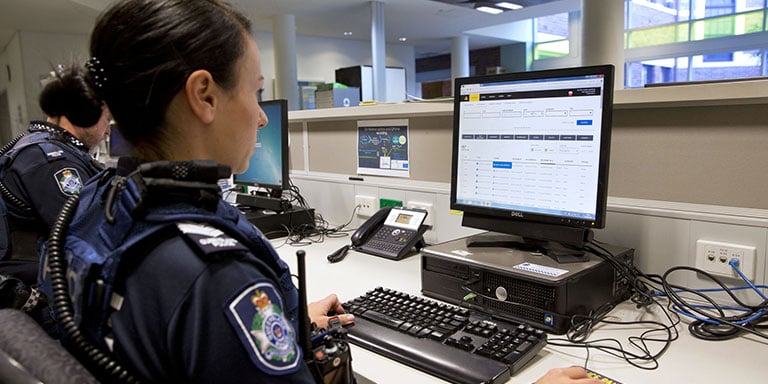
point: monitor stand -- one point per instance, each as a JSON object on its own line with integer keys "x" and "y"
{"x": 277, "y": 204}
{"x": 562, "y": 253}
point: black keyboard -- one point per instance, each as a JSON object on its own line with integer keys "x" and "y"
{"x": 453, "y": 343}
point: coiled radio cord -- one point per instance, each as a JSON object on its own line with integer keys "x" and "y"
{"x": 103, "y": 365}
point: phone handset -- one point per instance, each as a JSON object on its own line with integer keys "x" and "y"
{"x": 362, "y": 234}
{"x": 370, "y": 226}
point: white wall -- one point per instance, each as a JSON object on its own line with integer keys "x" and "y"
{"x": 12, "y": 81}
{"x": 41, "y": 51}
{"x": 318, "y": 58}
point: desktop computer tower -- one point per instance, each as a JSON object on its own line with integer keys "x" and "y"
{"x": 522, "y": 286}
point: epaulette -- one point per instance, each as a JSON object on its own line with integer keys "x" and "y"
{"x": 209, "y": 240}
{"x": 52, "y": 152}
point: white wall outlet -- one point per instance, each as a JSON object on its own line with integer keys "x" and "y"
{"x": 366, "y": 205}
{"x": 430, "y": 219}
{"x": 714, "y": 257}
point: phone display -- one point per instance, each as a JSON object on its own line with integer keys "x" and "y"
{"x": 390, "y": 232}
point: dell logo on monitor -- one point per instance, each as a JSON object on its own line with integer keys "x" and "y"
{"x": 515, "y": 213}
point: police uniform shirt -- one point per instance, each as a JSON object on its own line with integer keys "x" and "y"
{"x": 204, "y": 311}
{"x": 45, "y": 175}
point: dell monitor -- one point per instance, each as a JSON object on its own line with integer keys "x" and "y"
{"x": 268, "y": 166}
{"x": 530, "y": 157}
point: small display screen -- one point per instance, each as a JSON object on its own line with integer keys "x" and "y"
{"x": 403, "y": 218}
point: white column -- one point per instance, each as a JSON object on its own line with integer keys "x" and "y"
{"x": 378, "y": 51}
{"x": 459, "y": 58}
{"x": 602, "y": 36}
{"x": 286, "y": 70}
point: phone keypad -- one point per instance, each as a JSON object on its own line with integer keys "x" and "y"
{"x": 389, "y": 240}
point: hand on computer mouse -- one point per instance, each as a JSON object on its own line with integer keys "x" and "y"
{"x": 569, "y": 375}
{"x": 339, "y": 254}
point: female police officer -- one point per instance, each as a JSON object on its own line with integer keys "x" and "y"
{"x": 162, "y": 272}
{"x": 49, "y": 164}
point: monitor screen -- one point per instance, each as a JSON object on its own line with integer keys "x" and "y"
{"x": 533, "y": 147}
{"x": 269, "y": 163}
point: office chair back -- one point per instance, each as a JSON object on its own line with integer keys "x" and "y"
{"x": 29, "y": 355}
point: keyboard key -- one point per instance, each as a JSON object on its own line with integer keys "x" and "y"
{"x": 436, "y": 335}
{"x": 382, "y": 319}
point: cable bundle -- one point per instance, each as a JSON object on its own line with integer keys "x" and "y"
{"x": 713, "y": 320}
{"x": 303, "y": 234}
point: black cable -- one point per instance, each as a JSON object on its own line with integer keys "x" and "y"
{"x": 303, "y": 235}
{"x": 641, "y": 342}
{"x": 718, "y": 325}
{"x": 642, "y": 296}
{"x": 709, "y": 325}
{"x": 582, "y": 325}
{"x": 101, "y": 363}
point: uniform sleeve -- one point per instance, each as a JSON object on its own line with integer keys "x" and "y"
{"x": 49, "y": 183}
{"x": 224, "y": 322}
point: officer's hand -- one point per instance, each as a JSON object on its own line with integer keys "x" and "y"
{"x": 570, "y": 375}
{"x": 319, "y": 311}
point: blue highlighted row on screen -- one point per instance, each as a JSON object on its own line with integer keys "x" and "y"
{"x": 468, "y": 136}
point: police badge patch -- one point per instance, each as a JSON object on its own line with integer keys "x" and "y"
{"x": 263, "y": 329}
{"x": 69, "y": 181}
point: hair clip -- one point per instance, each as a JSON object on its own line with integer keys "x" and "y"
{"x": 96, "y": 72}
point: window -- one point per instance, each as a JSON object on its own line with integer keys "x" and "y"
{"x": 695, "y": 68}
{"x": 701, "y": 39}
{"x": 670, "y": 40}
{"x": 551, "y": 36}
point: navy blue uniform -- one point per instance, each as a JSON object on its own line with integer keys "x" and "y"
{"x": 188, "y": 303}
{"x": 44, "y": 168}
{"x": 181, "y": 321}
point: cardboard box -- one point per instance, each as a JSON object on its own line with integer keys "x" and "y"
{"x": 338, "y": 97}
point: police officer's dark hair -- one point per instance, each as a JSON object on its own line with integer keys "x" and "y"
{"x": 146, "y": 50}
{"x": 68, "y": 94}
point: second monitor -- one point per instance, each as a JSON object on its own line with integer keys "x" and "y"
{"x": 268, "y": 169}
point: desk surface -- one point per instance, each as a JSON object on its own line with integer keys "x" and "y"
{"x": 687, "y": 360}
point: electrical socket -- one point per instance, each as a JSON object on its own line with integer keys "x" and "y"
{"x": 430, "y": 219}
{"x": 713, "y": 257}
{"x": 367, "y": 205}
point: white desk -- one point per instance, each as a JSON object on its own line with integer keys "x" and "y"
{"x": 688, "y": 360}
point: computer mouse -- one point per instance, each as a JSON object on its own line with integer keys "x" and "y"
{"x": 339, "y": 254}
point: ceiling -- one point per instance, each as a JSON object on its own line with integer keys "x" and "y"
{"x": 426, "y": 24}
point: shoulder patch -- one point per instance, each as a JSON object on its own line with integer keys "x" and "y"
{"x": 257, "y": 317}
{"x": 209, "y": 239}
{"x": 69, "y": 181}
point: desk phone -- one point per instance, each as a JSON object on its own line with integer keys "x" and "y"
{"x": 392, "y": 232}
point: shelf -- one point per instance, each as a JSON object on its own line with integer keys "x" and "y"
{"x": 694, "y": 95}
{"x": 748, "y": 92}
